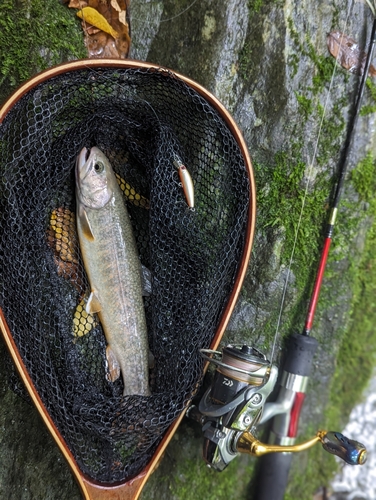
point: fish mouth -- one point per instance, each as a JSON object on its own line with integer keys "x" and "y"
{"x": 82, "y": 159}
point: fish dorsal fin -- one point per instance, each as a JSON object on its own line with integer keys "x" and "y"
{"x": 93, "y": 304}
{"x": 113, "y": 366}
{"x": 85, "y": 224}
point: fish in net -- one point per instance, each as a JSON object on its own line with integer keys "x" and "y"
{"x": 143, "y": 119}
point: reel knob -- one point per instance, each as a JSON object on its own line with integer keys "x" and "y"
{"x": 352, "y": 452}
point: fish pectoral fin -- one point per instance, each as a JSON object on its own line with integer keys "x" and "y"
{"x": 113, "y": 367}
{"x": 85, "y": 224}
{"x": 93, "y": 304}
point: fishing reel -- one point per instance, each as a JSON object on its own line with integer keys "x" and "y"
{"x": 235, "y": 404}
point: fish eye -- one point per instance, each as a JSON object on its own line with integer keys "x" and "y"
{"x": 99, "y": 167}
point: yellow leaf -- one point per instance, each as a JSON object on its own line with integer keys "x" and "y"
{"x": 92, "y": 16}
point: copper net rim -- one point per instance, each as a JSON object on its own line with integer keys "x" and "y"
{"x": 226, "y": 116}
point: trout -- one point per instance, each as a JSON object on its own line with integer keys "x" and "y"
{"x": 110, "y": 257}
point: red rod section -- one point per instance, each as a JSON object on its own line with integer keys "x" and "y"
{"x": 295, "y": 414}
{"x": 317, "y": 286}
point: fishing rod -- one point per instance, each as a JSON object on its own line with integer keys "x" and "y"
{"x": 274, "y": 468}
{"x": 235, "y": 403}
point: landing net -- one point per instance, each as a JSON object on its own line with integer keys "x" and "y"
{"x": 142, "y": 119}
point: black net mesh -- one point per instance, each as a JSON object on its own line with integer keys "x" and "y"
{"x": 141, "y": 119}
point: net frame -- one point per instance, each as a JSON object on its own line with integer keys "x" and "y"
{"x": 90, "y": 488}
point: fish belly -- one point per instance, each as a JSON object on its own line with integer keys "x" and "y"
{"x": 114, "y": 271}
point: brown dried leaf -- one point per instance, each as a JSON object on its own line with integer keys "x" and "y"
{"x": 90, "y": 30}
{"x": 347, "y": 52}
{"x": 77, "y": 4}
{"x": 123, "y": 41}
{"x": 112, "y": 42}
{"x": 115, "y": 5}
{"x": 101, "y": 46}
{"x": 123, "y": 17}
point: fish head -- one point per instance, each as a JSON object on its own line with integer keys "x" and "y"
{"x": 95, "y": 178}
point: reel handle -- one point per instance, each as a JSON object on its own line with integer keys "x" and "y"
{"x": 351, "y": 451}
{"x": 273, "y": 468}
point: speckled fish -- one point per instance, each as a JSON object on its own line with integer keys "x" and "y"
{"x": 113, "y": 268}
{"x": 347, "y": 52}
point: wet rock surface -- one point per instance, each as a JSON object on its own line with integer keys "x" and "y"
{"x": 31, "y": 465}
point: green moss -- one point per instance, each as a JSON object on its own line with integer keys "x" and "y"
{"x": 332, "y": 127}
{"x": 324, "y": 69}
{"x": 184, "y": 475}
{"x": 294, "y": 34}
{"x": 370, "y": 108}
{"x": 358, "y": 348}
{"x": 293, "y": 62}
{"x": 363, "y": 178}
{"x": 305, "y": 104}
{"x": 256, "y": 5}
{"x": 311, "y": 470}
{"x": 336, "y": 17}
{"x": 124, "y": 451}
{"x": 284, "y": 193}
{"x": 245, "y": 59}
{"x": 195, "y": 481}
{"x": 280, "y": 204}
{"x": 33, "y": 36}
{"x": 323, "y": 64}
{"x": 286, "y": 201}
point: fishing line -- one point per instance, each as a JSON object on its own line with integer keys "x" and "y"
{"x": 162, "y": 20}
{"x": 308, "y": 182}
{"x": 83, "y": 17}
{"x": 85, "y": 25}
{"x": 134, "y": 96}
{"x": 372, "y": 6}
{"x": 180, "y": 13}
